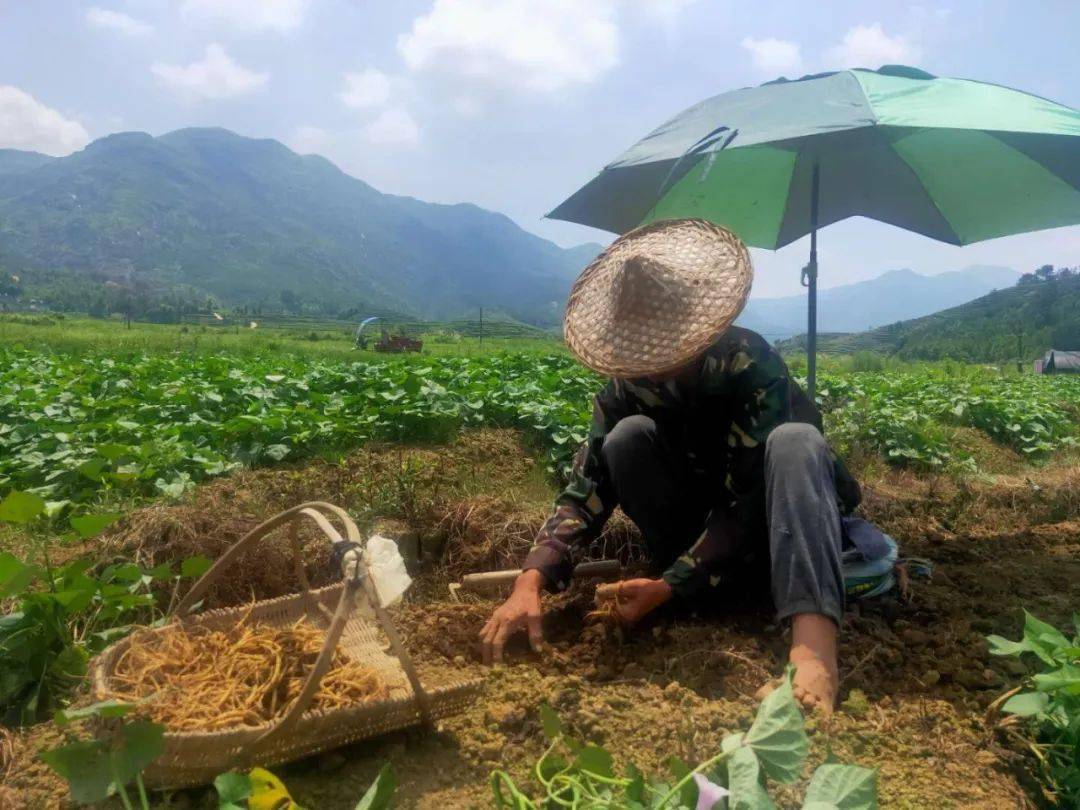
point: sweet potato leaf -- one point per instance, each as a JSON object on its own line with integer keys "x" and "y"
{"x": 380, "y": 795}
{"x": 777, "y": 737}
{"x": 844, "y": 787}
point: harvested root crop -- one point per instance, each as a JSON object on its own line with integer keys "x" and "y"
{"x": 201, "y": 679}
{"x": 607, "y": 598}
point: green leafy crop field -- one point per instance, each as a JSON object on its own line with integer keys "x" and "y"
{"x": 72, "y": 428}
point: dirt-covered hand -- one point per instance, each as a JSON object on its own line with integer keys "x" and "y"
{"x": 520, "y": 611}
{"x": 635, "y": 598}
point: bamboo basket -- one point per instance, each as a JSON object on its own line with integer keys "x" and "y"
{"x": 195, "y": 758}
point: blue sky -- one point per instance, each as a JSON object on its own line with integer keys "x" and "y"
{"x": 510, "y": 104}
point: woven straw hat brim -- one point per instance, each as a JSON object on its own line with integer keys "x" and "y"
{"x": 657, "y": 298}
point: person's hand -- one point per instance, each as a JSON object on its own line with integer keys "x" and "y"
{"x": 634, "y": 598}
{"x": 520, "y": 611}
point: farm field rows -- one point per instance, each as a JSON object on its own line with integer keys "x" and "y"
{"x": 73, "y": 428}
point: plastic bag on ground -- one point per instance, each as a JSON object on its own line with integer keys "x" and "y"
{"x": 387, "y": 569}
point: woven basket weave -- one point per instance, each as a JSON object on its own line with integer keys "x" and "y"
{"x": 657, "y": 297}
{"x": 194, "y": 758}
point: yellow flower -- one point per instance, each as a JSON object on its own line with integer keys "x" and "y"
{"x": 268, "y": 792}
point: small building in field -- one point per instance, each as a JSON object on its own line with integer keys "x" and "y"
{"x": 1059, "y": 362}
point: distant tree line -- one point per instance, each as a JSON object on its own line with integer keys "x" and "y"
{"x": 1047, "y": 273}
{"x": 1013, "y": 325}
{"x": 136, "y": 298}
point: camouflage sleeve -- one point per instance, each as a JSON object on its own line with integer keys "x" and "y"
{"x": 584, "y": 505}
{"x": 711, "y": 559}
{"x": 760, "y": 402}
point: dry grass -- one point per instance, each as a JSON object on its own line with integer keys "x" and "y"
{"x": 477, "y": 504}
{"x": 418, "y": 489}
{"x": 941, "y": 507}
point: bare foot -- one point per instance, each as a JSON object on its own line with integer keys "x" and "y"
{"x": 813, "y": 654}
{"x": 815, "y": 682}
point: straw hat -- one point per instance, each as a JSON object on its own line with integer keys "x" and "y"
{"x": 657, "y": 297}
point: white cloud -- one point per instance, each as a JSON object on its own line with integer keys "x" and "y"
{"x": 394, "y": 127}
{"x": 216, "y": 76}
{"x": 773, "y": 56}
{"x": 117, "y": 21}
{"x": 368, "y": 88}
{"x": 538, "y": 45}
{"x": 26, "y": 123}
{"x": 869, "y": 46}
{"x": 250, "y": 15}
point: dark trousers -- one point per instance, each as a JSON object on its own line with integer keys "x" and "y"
{"x": 793, "y": 533}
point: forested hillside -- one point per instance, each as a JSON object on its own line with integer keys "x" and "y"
{"x": 1041, "y": 312}
{"x": 250, "y": 222}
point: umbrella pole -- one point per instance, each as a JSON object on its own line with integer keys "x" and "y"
{"x": 810, "y": 281}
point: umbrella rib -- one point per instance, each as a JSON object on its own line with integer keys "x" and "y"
{"x": 918, "y": 181}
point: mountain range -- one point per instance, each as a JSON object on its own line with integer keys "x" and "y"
{"x": 244, "y": 220}
{"x": 897, "y": 295}
{"x": 249, "y": 221}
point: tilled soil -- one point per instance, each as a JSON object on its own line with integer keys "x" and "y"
{"x": 917, "y": 681}
{"x": 917, "y": 678}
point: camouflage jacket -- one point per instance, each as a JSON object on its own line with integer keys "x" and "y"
{"x": 741, "y": 393}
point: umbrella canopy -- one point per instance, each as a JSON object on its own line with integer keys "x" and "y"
{"x": 952, "y": 159}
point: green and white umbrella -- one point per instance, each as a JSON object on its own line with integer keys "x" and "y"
{"x": 953, "y": 159}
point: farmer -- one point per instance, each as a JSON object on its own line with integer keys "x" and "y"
{"x": 704, "y": 441}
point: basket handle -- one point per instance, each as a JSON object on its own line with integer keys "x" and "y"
{"x": 315, "y": 510}
{"x": 311, "y": 509}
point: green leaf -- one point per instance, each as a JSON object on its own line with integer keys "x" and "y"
{"x": 55, "y": 508}
{"x": 594, "y": 759}
{"x": 232, "y": 788}
{"x": 731, "y": 742}
{"x": 845, "y": 787}
{"x": 635, "y": 791}
{"x": 128, "y": 572}
{"x": 90, "y": 525}
{"x": 112, "y": 451}
{"x": 140, "y": 743}
{"x": 15, "y": 576}
{"x": 71, "y": 663}
{"x": 550, "y": 721}
{"x": 1044, "y": 639}
{"x": 688, "y": 793}
{"x": 195, "y": 566}
{"x": 777, "y": 736}
{"x": 381, "y": 793}
{"x": 1064, "y": 679}
{"x": 85, "y": 766}
{"x": 744, "y": 782}
{"x": 21, "y": 507}
{"x": 104, "y": 708}
{"x": 1026, "y": 704}
{"x": 277, "y": 451}
{"x": 92, "y": 469}
{"x": 1003, "y": 646}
